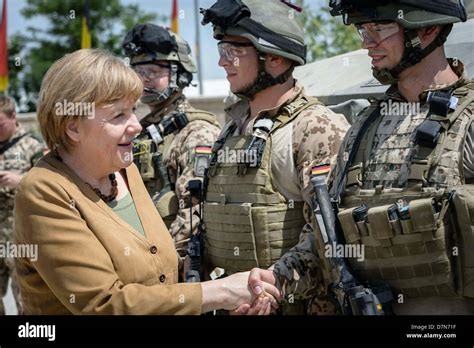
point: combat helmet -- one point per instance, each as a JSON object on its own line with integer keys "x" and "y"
{"x": 409, "y": 14}
{"x": 272, "y": 26}
{"x": 148, "y": 43}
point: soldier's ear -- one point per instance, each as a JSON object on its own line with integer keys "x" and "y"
{"x": 274, "y": 61}
{"x": 276, "y": 65}
{"x": 428, "y": 35}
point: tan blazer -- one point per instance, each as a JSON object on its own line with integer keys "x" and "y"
{"x": 90, "y": 261}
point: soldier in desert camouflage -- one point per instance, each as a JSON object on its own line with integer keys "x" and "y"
{"x": 407, "y": 160}
{"x": 257, "y": 197}
{"x": 18, "y": 153}
{"x": 163, "y": 61}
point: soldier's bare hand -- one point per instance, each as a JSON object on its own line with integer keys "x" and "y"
{"x": 9, "y": 179}
{"x": 261, "y": 306}
{"x": 256, "y": 279}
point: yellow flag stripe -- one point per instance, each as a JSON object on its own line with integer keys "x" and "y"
{"x": 86, "y": 41}
{"x": 3, "y": 83}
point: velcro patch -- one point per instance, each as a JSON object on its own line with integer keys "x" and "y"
{"x": 320, "y": 170}
{"x": 203, "y": 149}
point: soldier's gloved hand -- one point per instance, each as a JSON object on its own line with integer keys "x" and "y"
{"x": 262, "y": 305}
{"x": 9, "y": 179}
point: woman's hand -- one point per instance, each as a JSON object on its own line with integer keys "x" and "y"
{"x": 233, "y": 291}
{"x": 261, "y": 306}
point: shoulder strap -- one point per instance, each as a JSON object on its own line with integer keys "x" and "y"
{"x": 293, "y": 109}
{"x": 227, "y": 132}
{"x": 429, "y": 150}
{"x": 9, "y": 144}
{"x": 201, "y": 115}
{"x": 373, "y": 111}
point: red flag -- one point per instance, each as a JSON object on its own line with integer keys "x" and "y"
{"x": 3, "y": 48}
{"x": 174, "y": 18}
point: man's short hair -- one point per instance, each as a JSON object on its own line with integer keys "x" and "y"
{"x": 7, "y": 106}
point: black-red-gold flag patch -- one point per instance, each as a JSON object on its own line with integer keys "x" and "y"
{"x": 320, "y": 170}
{"x": 203, "y": 149}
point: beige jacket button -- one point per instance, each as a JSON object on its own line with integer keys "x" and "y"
{"x": 153, "y": 249}
{"x": 162, "y": 278}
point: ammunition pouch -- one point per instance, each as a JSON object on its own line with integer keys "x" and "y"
{"x": 167, "y": 205}
{"x": 143, "y": 151}
{"x": 463, "y": 202}
{"x": 422, "y": 248}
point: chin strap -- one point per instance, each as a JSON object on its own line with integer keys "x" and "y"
{"x": 157, "y": 114}
{"x": 159, "y": 98}
{"x": 264, "y": 80}
{"x": 412, "y": 55}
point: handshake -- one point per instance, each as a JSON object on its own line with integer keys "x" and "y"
{"x": 244, "y": 293}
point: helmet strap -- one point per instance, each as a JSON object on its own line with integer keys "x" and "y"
{"x": 412, "y": 55}
{"x": 264, "y": 80}
{"x": 157, "y": 114}
{"x": 173, "y": 87}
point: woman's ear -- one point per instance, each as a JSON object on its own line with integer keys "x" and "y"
{"x": 72, "y": 129}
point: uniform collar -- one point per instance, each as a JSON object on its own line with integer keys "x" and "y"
{"x": 456, "y": 65}
{"x": 240, "y": 111}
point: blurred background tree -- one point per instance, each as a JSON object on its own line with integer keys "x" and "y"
{"x": 326, "y": 36}
{"x": 33, "y": 51}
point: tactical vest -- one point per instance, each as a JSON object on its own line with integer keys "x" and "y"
{"x": 248, "y": 222}
{"x": 417, "y": 232}
{"x": 167, "y": 203}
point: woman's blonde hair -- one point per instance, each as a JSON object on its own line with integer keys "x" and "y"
{"x": 85, "y": 77}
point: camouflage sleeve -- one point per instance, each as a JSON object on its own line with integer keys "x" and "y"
{"x": 317, "y": 135}
{"x": 35, "y": 151}
{"x": 182, "y": 162}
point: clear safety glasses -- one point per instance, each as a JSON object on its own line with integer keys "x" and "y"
{"x": 377, "y": 32}
{"x": 230, "y": 50}
{"x": 151, "y": 71}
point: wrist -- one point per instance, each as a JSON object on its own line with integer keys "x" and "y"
{"x": 215, "y": 295}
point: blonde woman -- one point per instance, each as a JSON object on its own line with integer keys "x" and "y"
{"x": 102, "y": 246}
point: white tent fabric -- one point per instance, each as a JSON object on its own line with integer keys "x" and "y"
{"x": 349, "y": 76}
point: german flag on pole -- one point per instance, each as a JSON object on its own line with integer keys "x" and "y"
{"x": 174, "y": 18}
{"x": 86, "y": 41}
{"x": 3, "y": 48}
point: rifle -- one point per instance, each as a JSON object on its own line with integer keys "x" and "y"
{"x": 196, "y": 243}
{"x": 353, "y": 298}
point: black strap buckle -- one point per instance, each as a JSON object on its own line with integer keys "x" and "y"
{"x": 427, "y": 134}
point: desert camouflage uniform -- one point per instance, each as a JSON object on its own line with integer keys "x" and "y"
{"x": 19, "y": 159}
{"x": 178, "y": 157}
{"x": 311, "y": 139}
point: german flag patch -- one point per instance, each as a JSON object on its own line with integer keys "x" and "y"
{"x": 207, "y": 150}
{"x": 320, "y": 170}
